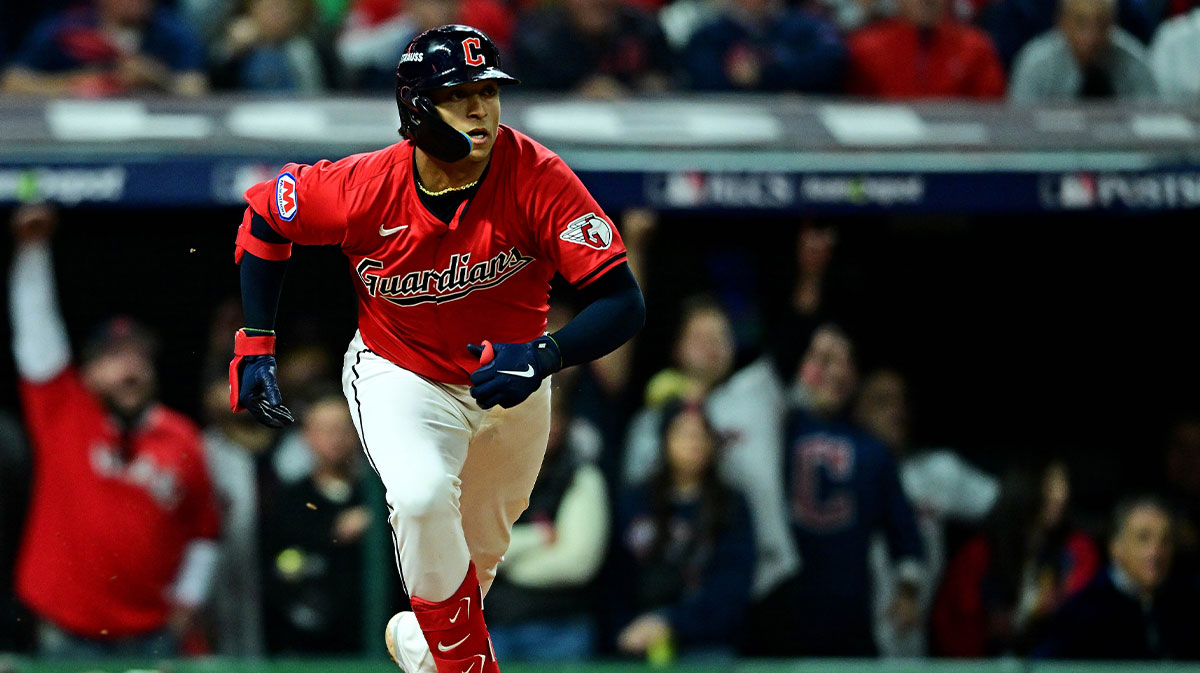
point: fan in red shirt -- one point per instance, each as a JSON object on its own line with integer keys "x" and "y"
{"x": 452, "y": 236}
{"x": 924, "y": 53}
{"x": 119, "y": 546}
{"x": 492, "y": 16}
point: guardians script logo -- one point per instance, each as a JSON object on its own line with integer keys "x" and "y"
{"x": 459, "y": 279}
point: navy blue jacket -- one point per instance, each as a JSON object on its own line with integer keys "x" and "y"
{"x": 550, "y": 54}
{"x": 1102, "y": 622}
{"x": 701, "y": 587}
{"x": 799, "y": 52}
{"x": 71, "y": 40}
{"x": 842, "y": 487}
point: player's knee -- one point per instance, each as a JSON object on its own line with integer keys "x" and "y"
{"x": 428, "y": 499}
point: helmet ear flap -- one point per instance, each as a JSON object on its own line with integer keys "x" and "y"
{"x": 414, "y": 109}
{"x": 421, "y": 123}
{"x": 425, "y": 108}
{"x": 406, "y": 96}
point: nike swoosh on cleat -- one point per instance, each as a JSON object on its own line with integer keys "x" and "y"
{"x": 384, "y": 231}
{"x": 525, "y": 374}
{"x": 455, "y": 617}
{"x": 443, "y": 648}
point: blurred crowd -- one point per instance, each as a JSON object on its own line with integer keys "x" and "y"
{"x": 1025, "y": 50}
{"x": 773, "y": 505}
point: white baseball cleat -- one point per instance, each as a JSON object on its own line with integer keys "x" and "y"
{"x": 407, "y": 645}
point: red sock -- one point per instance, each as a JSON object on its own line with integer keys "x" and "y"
{"x": 454, "y": 628}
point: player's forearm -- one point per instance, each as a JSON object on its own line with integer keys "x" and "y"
{"x": 40, "y": 344}
{"x": 262, "y": 283}
{"x": 616, "y": 313}
{"x": 262, "y": 279}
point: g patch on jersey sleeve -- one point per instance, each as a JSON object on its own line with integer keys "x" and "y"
{"x": 286, "y": 202}
{"x": 590, "y": 230}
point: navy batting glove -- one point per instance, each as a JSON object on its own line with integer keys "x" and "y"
{"x": 258, "y": 392}
{"x": 509, "y": 373}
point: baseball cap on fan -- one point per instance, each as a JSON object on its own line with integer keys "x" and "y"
{"x": 117, "y": 334}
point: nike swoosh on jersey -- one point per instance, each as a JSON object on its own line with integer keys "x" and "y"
{"x": 444, "y": 648}
{"x": 384, "y": 231}
{"x": 525, "y": 374}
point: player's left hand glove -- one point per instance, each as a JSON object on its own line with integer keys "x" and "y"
{"x": 509, "y": 373}
{"x": 252, "y": 384}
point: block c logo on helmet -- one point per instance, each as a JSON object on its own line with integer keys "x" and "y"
{"x": 471, "y": 48}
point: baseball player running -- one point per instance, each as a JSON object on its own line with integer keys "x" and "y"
{"x": 452, "y": 235}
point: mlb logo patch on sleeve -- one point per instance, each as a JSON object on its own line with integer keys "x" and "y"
{"x": 590, "y": 230}
{"x": 285, "y": 196}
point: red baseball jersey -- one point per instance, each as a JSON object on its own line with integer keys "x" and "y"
{"x": 425, "y": 288}
{"x": 107, "y": 528}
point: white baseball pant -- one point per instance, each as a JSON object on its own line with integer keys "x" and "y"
{"x": 457, "y": 476}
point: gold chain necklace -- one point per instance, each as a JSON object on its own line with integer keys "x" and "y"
{"x": 446, "y": 190}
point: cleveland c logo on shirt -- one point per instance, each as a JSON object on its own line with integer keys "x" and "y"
{"x": 471, "y": 50}
{"x": 590, "y": 230}
{"x": 459, "y": 279}
{"x": 285, "y": 196}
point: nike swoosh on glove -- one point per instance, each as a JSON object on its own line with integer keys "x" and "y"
{"x": 509, "y": 373}
{"x": 258, "y": 391}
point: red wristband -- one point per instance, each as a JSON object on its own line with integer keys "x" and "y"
{"x": 244, "y": 344}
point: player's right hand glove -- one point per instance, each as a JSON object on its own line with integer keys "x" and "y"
{"x": 509, "y": 373}
{"x": 252, "y": 384}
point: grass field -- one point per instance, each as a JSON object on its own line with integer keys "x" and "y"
{"x": 18, "y": 665}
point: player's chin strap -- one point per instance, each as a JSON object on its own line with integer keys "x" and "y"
{"x": 421, "y": 123}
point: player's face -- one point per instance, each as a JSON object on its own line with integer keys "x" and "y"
{"x": 123, "y": 378}
{"x": 474, "y": 109}
{"x": 1142, "y": 548}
